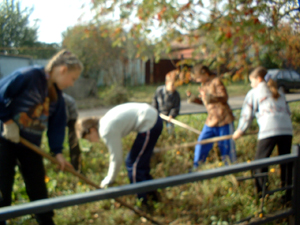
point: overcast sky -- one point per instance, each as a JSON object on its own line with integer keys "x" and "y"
{"x": 56, "y": 16}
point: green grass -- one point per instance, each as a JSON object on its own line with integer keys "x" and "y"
{"x": 207, "y": 202}
{"x": 144, "y": 93}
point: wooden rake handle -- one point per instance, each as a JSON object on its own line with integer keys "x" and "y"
{"x": 54, "y": 160}
{"x": 179, "y": 123}
{"x": 77, "y": 174}
{"x": 192, "y": 144}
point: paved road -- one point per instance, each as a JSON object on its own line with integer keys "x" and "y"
{"x": 186, "y": 108}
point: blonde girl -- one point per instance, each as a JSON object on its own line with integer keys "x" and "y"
{"x": 21, "y": 92}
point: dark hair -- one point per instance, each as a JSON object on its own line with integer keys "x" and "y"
{"x": 262, "y": 72}
{"x": 259, "y": 72}
{"x": 201, "y": 69}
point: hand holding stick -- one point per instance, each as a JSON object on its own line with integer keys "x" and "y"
{"x": 74, "y": 172}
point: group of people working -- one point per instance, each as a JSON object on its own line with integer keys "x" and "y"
{"x": 31, "y": 101}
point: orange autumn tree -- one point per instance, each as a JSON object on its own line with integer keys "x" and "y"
{"x": 234, "y": 33}
{"x": 291, "y": 49}
{"x": 100, "y": 51}
{"x": 93, "y": 46}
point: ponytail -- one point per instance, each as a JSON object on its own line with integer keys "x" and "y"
{"x": 273, "y": 88}
{"x": 64, "y": 57}
{"x": 259, "y": 72}
{"x": 262, "y": 72}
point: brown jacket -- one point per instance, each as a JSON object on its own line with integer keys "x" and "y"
{"x": 218, "y": 110}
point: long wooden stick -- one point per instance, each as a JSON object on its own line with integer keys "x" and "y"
{"x": 179, "y": 123}
{"x": 74, "y": 172}
{"x": 192, "y": 144}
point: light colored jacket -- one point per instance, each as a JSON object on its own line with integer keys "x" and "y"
{"x": 119, "y": 122}
{"x": 273, "y": 116}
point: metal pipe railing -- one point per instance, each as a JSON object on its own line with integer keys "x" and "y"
{"x": 114, "y": 192}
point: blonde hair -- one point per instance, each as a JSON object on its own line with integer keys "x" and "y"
{"x": 83, "y": 126}
{"x": 64, "y": 57}
{"x": 262, "y": 72}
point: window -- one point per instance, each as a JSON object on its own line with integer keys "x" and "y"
{"x": 268, "y": 76}
{"x": 286, "y": 75}
{"x": 279, "y": 75}
{"x": 295, "y": 76}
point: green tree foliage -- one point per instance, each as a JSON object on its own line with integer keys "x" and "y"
{"x": 17, "y": 36}
{"x": 233, "y": 32}
{"x": 93, "y": 47}
{"x": 99, "y": 47}
{"x": 15, "y": 31}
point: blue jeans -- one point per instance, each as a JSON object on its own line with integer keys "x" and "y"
{"x": 170, "y": 127}
{"x": 227, "y": 147}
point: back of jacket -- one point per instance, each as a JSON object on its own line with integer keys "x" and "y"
{"x": 215, "y": 101}
{"x": 273, "y": 115}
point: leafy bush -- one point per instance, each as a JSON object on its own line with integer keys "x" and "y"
{"x": 115, "y": 95}
{"x": 295, "y": 116}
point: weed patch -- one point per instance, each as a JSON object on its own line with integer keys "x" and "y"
{"x": 221, "y": 200}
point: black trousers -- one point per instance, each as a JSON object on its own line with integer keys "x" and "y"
{"x": 33, "y": 172}
{"x": 75, "y": 153}
{"x": 138, "y": 159}
{"x": 264, "y": 149}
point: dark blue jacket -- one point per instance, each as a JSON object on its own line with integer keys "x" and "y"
{"x": 24, "y": 98}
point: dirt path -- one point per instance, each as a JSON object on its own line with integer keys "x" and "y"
{"x": 186, "y": 108}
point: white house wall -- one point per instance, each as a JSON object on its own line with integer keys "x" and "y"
{"x": 40, "y": 62}
{"x": 133, "y": 71}
{"x": 9, "y": 64}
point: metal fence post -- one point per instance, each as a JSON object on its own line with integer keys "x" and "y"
{"x": 296, "y": 194}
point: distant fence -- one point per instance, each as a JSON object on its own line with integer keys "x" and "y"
{"x": 114, "y": 192}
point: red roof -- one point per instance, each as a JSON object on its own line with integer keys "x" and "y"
{"x": 184, "y": 53}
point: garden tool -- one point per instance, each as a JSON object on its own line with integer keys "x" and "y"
{"x": 192, "y": 144}
{"x": 179, "y": 123}
{"x": 74, "y": 172}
